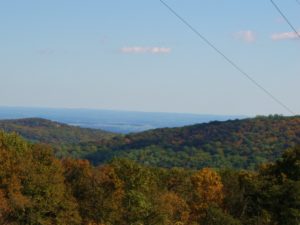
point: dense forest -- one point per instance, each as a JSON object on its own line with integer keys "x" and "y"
{"x": 50, "y": 132}
{"x": 37, "y": 188}
{"x": 64, "y": 138}
{"x": 231, "y": 144}
{"x": 234, "y": 143}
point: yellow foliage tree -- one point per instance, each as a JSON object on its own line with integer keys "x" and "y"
{"x": 174, "y": 209}
{"x": 207, "y": 190}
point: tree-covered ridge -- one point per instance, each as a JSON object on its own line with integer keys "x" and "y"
{"x": 64, "y": 138}
{"x": 50, "y": 132}
{"x": 38, "y": 189}
{"x": 231, "y": 144}
{"x": 234, "y": 143}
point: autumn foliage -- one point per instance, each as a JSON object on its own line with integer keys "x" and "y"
{"x": 36, "y": 188}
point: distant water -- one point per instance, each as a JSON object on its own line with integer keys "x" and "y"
{"x": 110, "y": 120}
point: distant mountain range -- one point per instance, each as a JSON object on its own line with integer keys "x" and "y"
{"x": 110, "y": 120}
{"x": 242, "y": 143}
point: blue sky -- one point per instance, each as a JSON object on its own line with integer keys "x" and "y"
{"x": 135, "y": 55}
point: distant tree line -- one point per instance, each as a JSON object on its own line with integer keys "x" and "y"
{"x": 240, "y": 144}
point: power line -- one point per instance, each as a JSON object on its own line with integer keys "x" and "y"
{"x": 285, "y": 18}
{"x": 230, "y": 61}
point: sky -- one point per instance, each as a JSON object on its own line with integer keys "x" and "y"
{"x": 135, "y": 55}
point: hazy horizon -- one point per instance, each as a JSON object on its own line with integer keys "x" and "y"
{"x": 124, "y": 110}
{"x": 112, "y": 120}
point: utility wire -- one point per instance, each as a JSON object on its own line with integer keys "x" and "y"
{"x": 230, "y": 61}
{"x": 285, "y": 18}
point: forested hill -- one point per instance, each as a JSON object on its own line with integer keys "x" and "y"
{"x": 234, "y": 143}
{"x": 50, "y": 132}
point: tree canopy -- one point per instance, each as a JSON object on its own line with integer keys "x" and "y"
{"x": 39, "y": 189}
